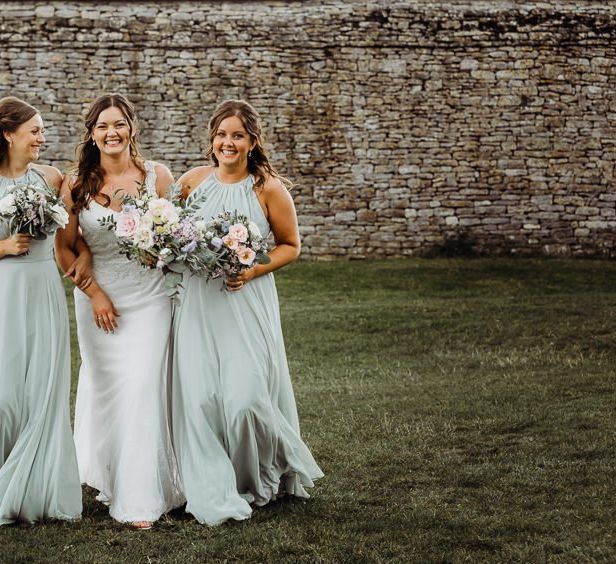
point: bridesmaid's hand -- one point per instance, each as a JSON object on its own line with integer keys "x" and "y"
{"x": 104, "y": 311}
{"x": 17, "y": 244}
{"x": 237, "y": 282}
{"x": 80, "y": 271}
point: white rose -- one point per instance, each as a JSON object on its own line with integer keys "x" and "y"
{"x": 59, "y": 215}
{"x": 144, "y": 238}
{"x": 7, "y": 203}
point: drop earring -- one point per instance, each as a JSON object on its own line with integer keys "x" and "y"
{"x": 249, "y": 154}
{"x": 93, "y": 142}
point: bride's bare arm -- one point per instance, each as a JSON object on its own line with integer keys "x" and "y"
{"x": 66, "y": 243}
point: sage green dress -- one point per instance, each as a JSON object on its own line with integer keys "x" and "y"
{"x": 235, "y": 423}
{"x": 38, "y": 467}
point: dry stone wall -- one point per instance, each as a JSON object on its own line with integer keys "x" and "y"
{"x": 410, "y": 128}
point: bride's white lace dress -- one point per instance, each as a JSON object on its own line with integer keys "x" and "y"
{"x": 121, "y": 420}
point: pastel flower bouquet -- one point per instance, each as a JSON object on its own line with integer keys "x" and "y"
{"x": 169, "y": 235}
{"x": 32, "y": 211}
{"x": 159, "y": 233}
{"x": 238, "y": 243}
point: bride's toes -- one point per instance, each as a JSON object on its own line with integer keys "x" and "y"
{"x": 142, "y": 525}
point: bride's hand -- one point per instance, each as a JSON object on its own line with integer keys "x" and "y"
{"x": 80, "y": 271}
{"x": 105, "y": 313}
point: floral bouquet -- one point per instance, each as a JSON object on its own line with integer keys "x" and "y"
{"x": 159, "y": 233}
{"x": 237, "y": 242}
{"x": 32, "y": 211}
{"x": 168, "y": 235}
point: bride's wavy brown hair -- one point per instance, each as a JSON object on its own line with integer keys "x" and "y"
{"x": 87, "y": 171}
{"x": 258, "y": 161}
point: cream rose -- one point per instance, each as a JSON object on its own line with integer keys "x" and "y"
{"x": 238, "y": 232}
{"x": 127, "y": 223}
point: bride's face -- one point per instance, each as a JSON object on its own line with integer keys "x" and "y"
{"x": 111, "y": 132}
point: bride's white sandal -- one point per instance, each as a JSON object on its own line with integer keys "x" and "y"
{"x": 142, "y": 525}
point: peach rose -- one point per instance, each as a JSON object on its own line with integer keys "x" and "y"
{"x": 230, "y": 242}
{"x": 246, "y": 255}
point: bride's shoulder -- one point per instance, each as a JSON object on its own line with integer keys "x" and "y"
{"x": 159, "y": 168}
{"x": 163, "y": 176}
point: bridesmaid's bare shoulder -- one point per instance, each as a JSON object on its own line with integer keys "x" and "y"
{"x": 52, "y": 175}
{"x": 193, "y": 178}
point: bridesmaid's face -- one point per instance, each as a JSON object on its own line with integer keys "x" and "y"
{"x": 232, "y": 143}
{"x": 27, "y": 139}
{"x": 111, "y": 132}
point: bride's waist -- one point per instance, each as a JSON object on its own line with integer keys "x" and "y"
{"x": 123, "y": 271}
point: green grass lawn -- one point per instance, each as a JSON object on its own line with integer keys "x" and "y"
{"x": 462, "y": 410}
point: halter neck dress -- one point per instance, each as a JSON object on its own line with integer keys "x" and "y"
{"x": 232, "y": 398}
{"x": 38, "y": 468}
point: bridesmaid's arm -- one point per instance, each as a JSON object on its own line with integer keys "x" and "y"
{"x": 80, "y": 272}
{"x": 283, "y": 221}
{"x": 72, "y": 252}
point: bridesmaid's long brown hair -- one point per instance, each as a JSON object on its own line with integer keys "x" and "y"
{"x": 13, "y": 113}
{"x": 258, "y": 161}
{"x": 87, "y": 172}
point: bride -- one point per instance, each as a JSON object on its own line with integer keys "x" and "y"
{"x": 123, "y": 325}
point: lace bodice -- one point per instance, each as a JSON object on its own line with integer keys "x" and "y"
{"x": 110, "y": 267}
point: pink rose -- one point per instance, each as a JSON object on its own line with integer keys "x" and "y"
{"x": 246, "y": 255}
{"x": 127, "y": 223}
{"x": 238, "y": 232}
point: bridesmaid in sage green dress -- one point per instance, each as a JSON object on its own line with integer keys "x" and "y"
{"x": 38, "y": 466}
{"x": 235, "y": 423}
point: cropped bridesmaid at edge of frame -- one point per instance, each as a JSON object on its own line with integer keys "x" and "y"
{"x": 38, "y": 468}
